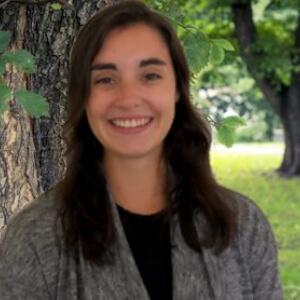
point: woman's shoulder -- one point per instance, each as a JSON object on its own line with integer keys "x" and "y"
{"x": 257, "y": 248}
{"x": 250, "y": 215}
{"x": 254, "y": 238}
{"x": 30, "y": 249}
{"x": 36, "y": 222}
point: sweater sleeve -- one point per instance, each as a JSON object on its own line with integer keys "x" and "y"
{"x": 21, "y": 274}
{"x": 259, "y": 250}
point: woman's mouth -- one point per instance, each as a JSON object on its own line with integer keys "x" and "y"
{"x": 131, "y": 122}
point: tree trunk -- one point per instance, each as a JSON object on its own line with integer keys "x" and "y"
{"x": 285, "y": 101}
{"x": 290, "y": 116}
{"x": 31, "y": 150}
{"x": 18, "y": 172}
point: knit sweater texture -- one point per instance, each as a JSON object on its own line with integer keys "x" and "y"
{"x": 34, "y": 266}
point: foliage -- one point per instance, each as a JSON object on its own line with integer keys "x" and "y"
{"x": 251, "y": 174}
{"x": 34, "y": 104}
{"x": 228, "y": 90}
{"x": 275, "y": 21}
{"x": 226, "y": 130}
{"x": 198, "y": 49}
{"x": 201, "y": 50}
{"x": 21, "y": 59}
{"x": 56, "y": 6}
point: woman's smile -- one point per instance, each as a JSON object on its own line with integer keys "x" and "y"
{"x": 131, "y": 122}
{"x": 133, "y": 125}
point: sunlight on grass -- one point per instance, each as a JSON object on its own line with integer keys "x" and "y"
{"x": 253, "y": 176}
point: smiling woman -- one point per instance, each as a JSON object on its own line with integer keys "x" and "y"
{"x": 139, "y": 214}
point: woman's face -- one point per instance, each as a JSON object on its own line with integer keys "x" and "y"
{"x": 133, "y": 93}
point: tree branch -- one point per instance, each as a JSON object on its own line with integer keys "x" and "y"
{"x": 247, "y": 37}
{"x": 4, "y": 3}
{"x": 37, "y": 2}
{"x": 24, "y": 2}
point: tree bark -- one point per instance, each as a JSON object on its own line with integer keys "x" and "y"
{"x": 31, "y": 150}
{"x": 290, "y": 116}
{"x": 285, "y": 100}
{"x": 18, "y": 172}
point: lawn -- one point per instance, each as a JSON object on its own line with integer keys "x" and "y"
{"x": 251, "y": 173}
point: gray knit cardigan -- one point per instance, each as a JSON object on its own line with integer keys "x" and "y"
{"x": 34, "y": 267}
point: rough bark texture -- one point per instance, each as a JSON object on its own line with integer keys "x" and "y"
{"x": 18, "y": 176}
{"x": 285, "y": 100}
{"x": 31, "y": 159}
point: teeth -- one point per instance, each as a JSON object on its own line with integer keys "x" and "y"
{"x": 131, "y": 123}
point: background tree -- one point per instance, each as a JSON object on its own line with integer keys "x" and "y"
{"x": 229, "y": 90}
{"x": 267, "y": 37}
{"x": 276, "y": 37}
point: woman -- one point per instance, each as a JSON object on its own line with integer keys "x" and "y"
{"x": 139, "y": 214}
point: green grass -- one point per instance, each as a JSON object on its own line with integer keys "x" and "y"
{"x": 279, "y": 198}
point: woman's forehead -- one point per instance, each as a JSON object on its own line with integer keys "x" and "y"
{"x": 138, "y": 41}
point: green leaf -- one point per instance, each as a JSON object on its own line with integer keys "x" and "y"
{"x": 226, "y": 130}
{"x": 243, "y": 85}
{"x": 22, "y": 59}
{"x": 259, "y": 9}
{"x": 5, "y": 37}
{"x": 56, "y": 6}
{"x": 2, "y": 66}
{"x": 232, "y": 122}
{"x": 197, "y": 50}
{"x": 216, "y": 54}
{"x": 5, "y": 95}
{"x": 224, "y": 44}
{"x": 34, "y": 104}
{"x": 226, "y": 135}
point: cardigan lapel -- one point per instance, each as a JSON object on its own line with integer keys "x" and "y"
{"x": 223, "y": 273}
{"x": 202, "y": 275}
{"x": 190, "y": 280}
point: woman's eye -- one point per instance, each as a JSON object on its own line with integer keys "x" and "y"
{"x": 104, "y": 80}
{"x": 152, "y": 76}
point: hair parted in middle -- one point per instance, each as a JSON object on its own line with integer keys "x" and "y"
{"x": 87, "y": 218}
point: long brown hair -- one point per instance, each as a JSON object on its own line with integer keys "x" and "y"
{"x": 87, "y": 217}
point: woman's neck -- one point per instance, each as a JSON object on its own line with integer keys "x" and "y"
{"x": 137, "y": 185}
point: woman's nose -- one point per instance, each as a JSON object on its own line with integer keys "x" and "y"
{"x": 128, "y": 95}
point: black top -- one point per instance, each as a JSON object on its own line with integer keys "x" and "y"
{"x": 149, "y": 241}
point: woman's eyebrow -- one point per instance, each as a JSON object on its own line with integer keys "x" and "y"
{"x": 103, "y": 66}
{"x": 152, "y": 61}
